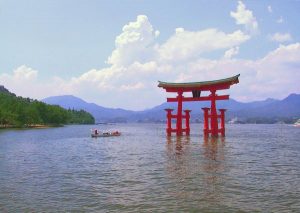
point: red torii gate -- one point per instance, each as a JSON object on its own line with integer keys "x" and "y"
{"x": 210, "y": 114}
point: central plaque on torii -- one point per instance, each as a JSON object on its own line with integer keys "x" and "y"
{"x": 211, "y": 116}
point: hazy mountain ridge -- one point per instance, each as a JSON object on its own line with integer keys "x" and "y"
{"x": 101, "y": 114}
{"x": 21, "y": 112}
{"x": 288, "y": 108}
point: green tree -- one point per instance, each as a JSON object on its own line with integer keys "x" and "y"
{"x": 20, "y": 112}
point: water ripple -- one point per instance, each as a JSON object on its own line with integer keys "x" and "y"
{"x": 254, "y": 169}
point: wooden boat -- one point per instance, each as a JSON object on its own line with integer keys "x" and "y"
{"x": 297, "y": 123}
{"x": 96, "y": 134}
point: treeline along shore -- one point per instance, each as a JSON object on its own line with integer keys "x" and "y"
{"x": 19, "y": 112}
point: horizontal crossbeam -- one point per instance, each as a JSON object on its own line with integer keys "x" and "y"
{"x": 206, "y": 98}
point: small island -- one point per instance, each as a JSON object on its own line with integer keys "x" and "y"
{"x": 19, "y": 112}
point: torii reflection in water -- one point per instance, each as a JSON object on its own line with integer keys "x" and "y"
{"x": 196, "y": 170}
{"x": 177, "y": 144}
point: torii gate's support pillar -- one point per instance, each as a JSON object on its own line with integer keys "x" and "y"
{"x": 208, "y": 119}
{"x": 169, "y": 128}
{"x": 169, "y": 121}
{"x": 222, "y": 129}
{"x": 187, "y": 121}
{"x": 206, "y": 123}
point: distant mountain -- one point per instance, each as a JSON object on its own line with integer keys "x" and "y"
{"x": 101, "y": 114}
{"x": 269, "y": 110}
{"x": 231, "y": 105}
{"x": 23, "y": 112}
{"x": 288, "y": 107}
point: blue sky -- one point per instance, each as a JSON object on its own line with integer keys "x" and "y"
{"x": 72, "y": 47}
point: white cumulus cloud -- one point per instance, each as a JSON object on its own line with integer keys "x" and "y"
{"x": 281, "y": 37}
{"x": 231, "y": 52}
{"x": 24, "y": 81}
{"x": 19, "y": 75}
{"x": 24, "y": 72}
{"x": 270, "y": 10}
{"x": 138, "y": 62}
{"x": 184, "y": 45}
{"x": 245, "y": 17}
{"x": 134, "y": 43}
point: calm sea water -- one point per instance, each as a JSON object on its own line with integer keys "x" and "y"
{"x": 255, "y": 168}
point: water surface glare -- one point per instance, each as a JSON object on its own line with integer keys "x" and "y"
{"x": 256, "y": 168}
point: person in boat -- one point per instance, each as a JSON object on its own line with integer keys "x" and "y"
{"x": 96, "y": 132}
{"x": 115, "y": 133}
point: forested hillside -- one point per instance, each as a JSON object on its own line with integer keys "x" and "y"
{"x": 24, "y": 112}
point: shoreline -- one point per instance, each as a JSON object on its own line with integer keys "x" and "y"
{"x": 36, "y": 126}
{"x": 33, "y": 126}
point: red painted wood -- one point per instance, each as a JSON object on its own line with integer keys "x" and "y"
{"x": 187, "y": 121}
{"x": 179, "y": 114}
{"x": 201, "y": 88}
{"x": 222, "y": 116}
{"x": 169, "y": 121}
{"x": 205, "y": 98}
{"x": 213, "y": 112}
{"x": 205, "y": 123}
{"x": 211, "y": 117}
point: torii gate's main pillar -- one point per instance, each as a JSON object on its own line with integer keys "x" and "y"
{"x": 179, "y": 131}
{"x": 179, "y": 114}
{"x": 210, "y": 128}
{"x": 211, "y": 116}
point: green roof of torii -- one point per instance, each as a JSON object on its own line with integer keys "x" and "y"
{"x": 230, "y": 81}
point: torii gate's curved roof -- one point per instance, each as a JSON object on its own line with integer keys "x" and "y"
{"x": 204, "y": 84}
